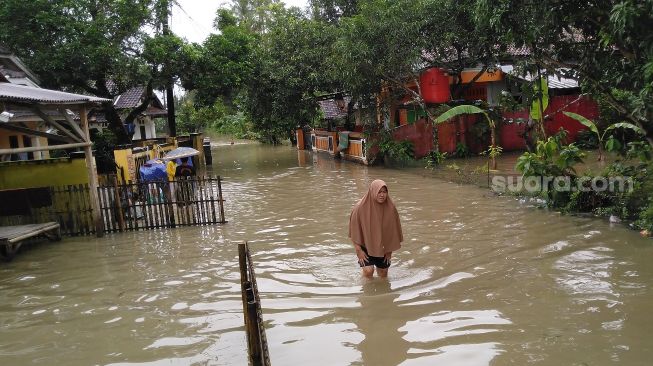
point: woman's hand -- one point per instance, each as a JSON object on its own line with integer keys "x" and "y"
{"x": 362, "y": 256}
{"x": 387, "y": 257}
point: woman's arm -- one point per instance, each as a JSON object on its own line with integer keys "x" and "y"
{"x": 387, "y": 257}
{"x": 360, "y": 253}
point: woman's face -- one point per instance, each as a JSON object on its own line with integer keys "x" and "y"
{"x": 382, "y": 196}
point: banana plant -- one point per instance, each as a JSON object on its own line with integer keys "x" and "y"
{"x": 470, "y": 109}
{"x": 601, "y": 136}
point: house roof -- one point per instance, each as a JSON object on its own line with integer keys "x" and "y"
{"x": 554, "y": 81}
{"x": 132, "y": 98}
{"x": 14, "y": 71}
{"x": 331, "y": 110}
{"x": 155, "y": 112}
{"x": 19, "y": 93}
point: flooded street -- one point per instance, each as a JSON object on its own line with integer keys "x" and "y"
{"x": 480, "y": 280}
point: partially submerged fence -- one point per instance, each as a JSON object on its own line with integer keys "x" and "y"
{"x": 150, "y": 205}
{"x": 257, "y": 343}
{"x": 69, "y": 205}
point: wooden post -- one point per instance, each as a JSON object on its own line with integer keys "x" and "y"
{"x": 92, "y": 175}
{"x": 242, "y": 260}
{"x": 221, "y": 201}
{"x": 253, "y": 334}
{"x": 118, "y": 205}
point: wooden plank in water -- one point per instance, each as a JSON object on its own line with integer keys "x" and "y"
{"x": 13, "y": 234}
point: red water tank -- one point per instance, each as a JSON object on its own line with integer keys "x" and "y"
{"x": 434, "y": 83}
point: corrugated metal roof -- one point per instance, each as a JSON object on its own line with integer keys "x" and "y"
{"x": 19, "y": 93}
{"x": 554, "y": 81}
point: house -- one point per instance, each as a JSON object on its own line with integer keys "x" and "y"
{"x": 144, "y": 126}
{"x": 12, "y": 135}
{"x": 48, "y": 114}
{"x": 409, "y": 119}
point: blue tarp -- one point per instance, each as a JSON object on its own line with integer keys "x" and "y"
{"x": 153, "y": 170}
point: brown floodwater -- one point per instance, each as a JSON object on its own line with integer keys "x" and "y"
{"x": 480, "y": 280}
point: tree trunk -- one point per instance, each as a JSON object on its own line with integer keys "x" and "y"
{"x": 115, "y": 123}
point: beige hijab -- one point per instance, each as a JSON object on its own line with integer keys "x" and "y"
{"x": 374, "y": 225}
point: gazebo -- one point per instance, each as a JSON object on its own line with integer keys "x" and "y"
{"x": 55, "y": 110}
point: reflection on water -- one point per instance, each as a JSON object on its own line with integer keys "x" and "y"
{"x": 480, "y": 280}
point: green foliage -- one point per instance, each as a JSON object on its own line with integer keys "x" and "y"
{"x": 236, "y": 125}
{"x": 645, "y": 219}
{"x": 99, "y": 47}
{"x": 462, "y": 150}
{"x": 459, "y": 110}
{"x": 493, "y": 151}
{"x": 608, "y": 42}
{"x": 289, "y": 68}
{"x": 435, "y": 159}
{"x": 333, "y": 10}
{"x": 551, "y": 158}
{"x": 639, "y": 150}
{"x": 587, "y": 139}
{"x": 612, "y": 144}
{"x": 387, "y": 42}
{"x": 395, "y": 151}
{"x": 221, "y": 67}
{"x": 217, "y": 117}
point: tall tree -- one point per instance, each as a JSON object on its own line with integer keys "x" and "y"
{"x": 222, "y": 65}
{"x": 92, "y": 46}
{"x": 333, "y": 10}
{"x": 372, "y": 55}
{"x": 290, "y": 67}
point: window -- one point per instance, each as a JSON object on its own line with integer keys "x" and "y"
{"x": 27, "y": 142}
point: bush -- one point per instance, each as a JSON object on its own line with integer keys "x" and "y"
{"x": 462, "y": 151}
{"x": 395, "y": 151}
{"x": 434, "y": 159}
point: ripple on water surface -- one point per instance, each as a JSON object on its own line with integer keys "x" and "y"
{"x": 480, "y": 280}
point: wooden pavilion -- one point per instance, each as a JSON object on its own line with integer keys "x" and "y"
{"x": 55, "y": 113}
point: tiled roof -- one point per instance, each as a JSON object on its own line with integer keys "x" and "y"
{"x": 18, "y": 93}
{"x": 331, "y": 110}
{"x": 518, "y": 51}
{"x": 131, "y": 98}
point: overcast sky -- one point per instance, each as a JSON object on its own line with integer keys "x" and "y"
{"x": 195, "y": 21}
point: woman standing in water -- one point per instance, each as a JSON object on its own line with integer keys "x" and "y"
{"x": 375, "y": 230}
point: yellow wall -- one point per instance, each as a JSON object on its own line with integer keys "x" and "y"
{"x": 36, "y": 141}
{"x": 128, "y": 161}
{"x": 43, "y": 173}
{"x": 124, "y": 160}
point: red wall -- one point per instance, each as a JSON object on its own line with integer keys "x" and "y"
{"x": 584, "y": 106}
{"x": 510, "y": 138}
{"x": 420, "y": 134}
{"x": 509, "y": 134}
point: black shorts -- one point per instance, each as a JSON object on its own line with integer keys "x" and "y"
{"x": 379, "y": 262}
